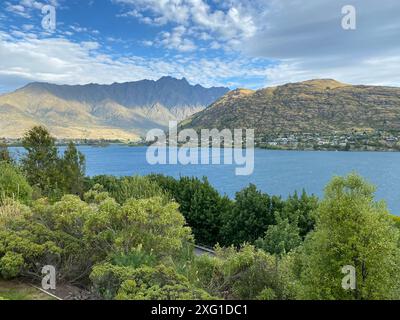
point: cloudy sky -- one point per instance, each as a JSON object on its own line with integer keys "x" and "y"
{"x": 235, "y": 43}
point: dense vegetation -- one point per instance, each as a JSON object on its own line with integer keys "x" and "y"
{"x": 133, "y": 237}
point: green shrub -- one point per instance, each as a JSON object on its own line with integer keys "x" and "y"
{"x": 201, "y": 205}
{"x": 12, "y": 211}
{"x": 145, "y": 283}
{"x": 267, "y": 294}
{"x": 107, "y": 279}
{"x": 253, "y": 212}
{"x": 13, "y": 184}
{"x": 157, "y": 226}
{"x": 11, "y": 265}
{"x": 136, "y": 258}
{"x": 48, "y": 235}
{"x": 280, "y": 238}
{"x": 125, "y": 188}
{"x": 246, "y": 274}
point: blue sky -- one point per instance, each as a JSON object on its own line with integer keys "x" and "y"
{"x": 235, "y": 43}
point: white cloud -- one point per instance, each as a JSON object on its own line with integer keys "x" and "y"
{"x": 304, "y": 39}
{"x": 307, "y": 40}
{"x": 225, "y": 24}
{"x": 28, "y": 27}
{"x": 24, "y": 8}
{"x": 176, "y": 40}
{"x": 62, "y": 61}
{"x": 17, "y": 9}
{"x": 90, "y": 45}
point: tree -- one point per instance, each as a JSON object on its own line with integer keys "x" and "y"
{"x": 280, "y": 238}
{"x": 351, "y": 229}
{"x": 41, "y": 161}
{"x": 252, "y": 214}
{"x": 72, "y": 171}
{"x": 201, "y": 205}
{"x": 300, "y": 210}
{"x": 52, "y": 175}
{"x": 167, "y": 183}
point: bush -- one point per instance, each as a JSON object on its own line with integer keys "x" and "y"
{"x": 136, "y": 258}
{"x": 244, "y": 274}
{"x": 13, "y": 184}
{"x": 125, "y": 188}
{"x": 48, "y": 235}
{"x": 144, "y": 283}
{"x": 159, "y": 283}
{"x": 252, "y": 214}
{"x": 300, "y": 210}
{"x": 280, "y": 238}
{"x": 201, "y": 205}
{"x": 107, "y": 279}
{"x": 11, "y": 211}
{"x": 159, "y": 227}
{"x": 73, "y": 235}
{"x": 11, "y": 265}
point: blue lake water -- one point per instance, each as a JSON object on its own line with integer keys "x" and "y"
{"x": 276, "y": 172}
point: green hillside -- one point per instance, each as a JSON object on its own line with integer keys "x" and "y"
{"x": 323, "y": 106}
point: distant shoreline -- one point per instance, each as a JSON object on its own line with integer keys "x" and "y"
{"x": 131, "y": 145}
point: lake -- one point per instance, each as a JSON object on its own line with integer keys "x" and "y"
{"x": 276, "y": 172}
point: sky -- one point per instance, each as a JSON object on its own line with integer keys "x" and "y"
{"x": 234, "y": 43}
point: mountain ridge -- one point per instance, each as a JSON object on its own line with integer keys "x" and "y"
{"x": 128, "y": 91}
{"x": 120, "y": 111}
{"x": 319, "y": 105}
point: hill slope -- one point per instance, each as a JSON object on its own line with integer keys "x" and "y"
{"x": 118, "y": 111}
{"x": 321, "y": 106}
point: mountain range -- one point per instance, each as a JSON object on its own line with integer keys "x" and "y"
{"x": 315, "y": 106}
{"x": 126, "y": 111}
{"x": 120, "y": 111}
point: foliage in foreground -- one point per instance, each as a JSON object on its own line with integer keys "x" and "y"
{"x": 215, "y": 219}
{"x": 247, "y": 274}
{"x": 144, "y": 283}
{"x": 13, "y": 184}
{"x": 352, "y": 229}
{"x": 73, "y": 235}
{"x": 128, "y": 238}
